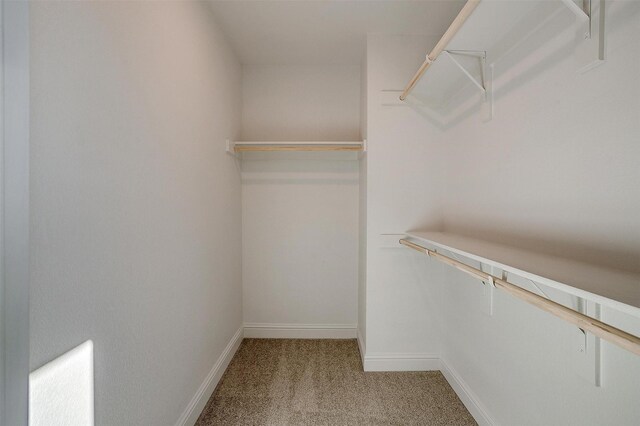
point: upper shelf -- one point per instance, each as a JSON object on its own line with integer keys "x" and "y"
{"x": 496, "y": 26}
{"x": 610, "y": 287}
{"x": 483, "y": 33}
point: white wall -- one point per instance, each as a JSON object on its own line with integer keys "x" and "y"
{"x": 135, "y": 207}
{"x": 300, "y": 217}
{"x": 362, "y": 217}
{"x": 14, "y": 217}
{"x": 555, "y": 170}
{"x": 403, "y": 192}
{"x": 309, "y": 103}
{"x": 562, "y": 148}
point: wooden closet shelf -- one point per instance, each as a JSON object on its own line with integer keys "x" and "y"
{"x": 600, "y": 329}
{"x": 485, "y": 31}
{"x": 240, "y": 147}
{"x": 615, "y": 288}
{"x": 297, "y": 147}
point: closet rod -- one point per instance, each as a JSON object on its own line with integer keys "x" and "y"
{"x": 598, "y": 328}
{"x": 300, "y": 147}
{"x": 466, "y": 11}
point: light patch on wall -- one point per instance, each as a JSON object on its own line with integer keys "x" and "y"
{"x": 61, "y": 391}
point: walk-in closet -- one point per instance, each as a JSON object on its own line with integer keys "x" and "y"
{"x": 320, "y": 212}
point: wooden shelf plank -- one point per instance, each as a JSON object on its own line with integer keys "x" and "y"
{"x": 495, "y": 27}
{"x": 498, "y": 26}
{"x": 291, "y": 146}
{"x": 307, "y": 148}
{"x": 614, "y": 288}
{"x": 298, "y": 143}
{"x": 600, "y": 329}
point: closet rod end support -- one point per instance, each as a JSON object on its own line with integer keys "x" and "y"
{"x": 231, "y": 148}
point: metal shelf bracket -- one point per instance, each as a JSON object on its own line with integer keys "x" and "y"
{"x": 483, "y": 83}
{"x": 582, "y": 13}
{"x": 231, "y": 148}
{"x": 480, "y": 84}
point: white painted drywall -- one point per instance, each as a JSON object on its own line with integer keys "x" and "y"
{"x": 300, "y": 217}
{"x": 298, "y": 103}
{"x": 324, "y": 32}
{"x": 14, "y": 284}
{"x": 555, "y": 170}
{"x": 403, "y": 189}
{"x": 300, "y": 242}
{"x": 135, "y": 207}
{"x": 562, "y": 148}
{"x": 362, "y": 216}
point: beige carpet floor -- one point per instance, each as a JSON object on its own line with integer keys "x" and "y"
{"x": 321, "y": 382}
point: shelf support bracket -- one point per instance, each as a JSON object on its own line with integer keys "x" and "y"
{"x": 362, "y": 153}
{"x": 589, "y": 346}
{"x": 582, "y": 13}
{"x": 230, "y": 147}
{"x": 481, "y": 57}
{"x": 597, "y": 349}
{"x": 489, "y": 287}
{"x": 591, "y": 52}
{"x": 484, "y": 83}
{"x": 581, "y": 306}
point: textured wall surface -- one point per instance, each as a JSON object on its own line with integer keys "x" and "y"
{"x": 136, "y": 212}
{"x": 300, "y": 211}
{"x": 556, "y": 171}
{"x": 403, "y": 192}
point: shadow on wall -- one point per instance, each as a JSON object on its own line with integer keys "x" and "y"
{"x": 308, "y": 168}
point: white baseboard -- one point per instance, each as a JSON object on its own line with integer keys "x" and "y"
{"x": 300, "y": 331}
{"x": 468, "y": 398}
{"x": 401, "y": 362}
{"x": 362, "y": 346}
{"x": 199, "y": 400}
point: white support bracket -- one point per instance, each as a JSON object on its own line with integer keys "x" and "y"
{"x": 362, "y": 153}
{"x": 428, "y": 59}
{"x": 489, "y": 289}
{"x": 231, "y": 148}
{"x": 481, "y": 58}
{"x": 482, "y": 81}
{"x": 582, "y": 13}
{"x": 581, "y": 306}
{"x": 591, "y": 49}
{"x": 597, "y": 349}
{"x": 588, "y": 360}
{"x": 592, "y": 14}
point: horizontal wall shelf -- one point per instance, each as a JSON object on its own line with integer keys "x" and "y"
{"x": 240, "y": 147}
{"x": 609, "y": 287}
{"x": 484, "y": 31}
{"x": 625, "y": 285}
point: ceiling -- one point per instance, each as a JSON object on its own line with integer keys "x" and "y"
{"x": 324, "y": 32}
